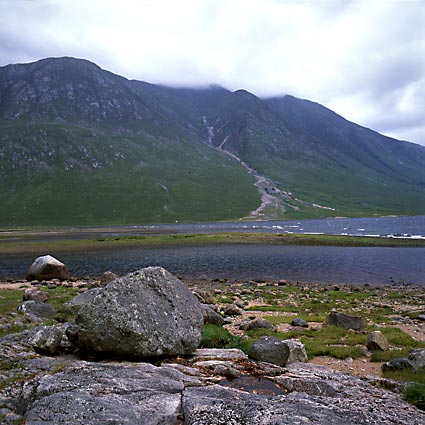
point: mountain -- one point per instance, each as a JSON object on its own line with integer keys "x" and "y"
{"x": 80, "y": 145}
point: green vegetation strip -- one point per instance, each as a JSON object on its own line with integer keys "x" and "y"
{"x": 11, "y": 298}
{"x": 9, "y": 246}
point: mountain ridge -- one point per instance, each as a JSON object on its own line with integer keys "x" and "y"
{"x": 68, "y": 121}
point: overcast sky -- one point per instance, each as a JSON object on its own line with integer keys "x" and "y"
{"x": 365, "y": 59}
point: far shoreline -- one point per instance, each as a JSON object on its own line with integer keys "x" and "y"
{"x": 65, "y": 241}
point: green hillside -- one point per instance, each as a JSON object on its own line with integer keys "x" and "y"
{"x": 321, "y": 158}
{"x": 139, "y": 181}
{"x": 80, "y": 145}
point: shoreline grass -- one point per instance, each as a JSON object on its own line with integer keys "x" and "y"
{"x": 10, "y": 245}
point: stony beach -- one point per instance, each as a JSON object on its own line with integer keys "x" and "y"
{"x": 330, "y": 374}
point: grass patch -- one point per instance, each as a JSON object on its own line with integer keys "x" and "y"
{"x": 319, "y": 303}
{"x": 61, "y": 295}
{"x": 406, "y": 375}
{"x": 399, "y": 338}
{"x": 336, "y": 342}
{"x": 214, "y": 336}
{"x": 75, "y": 241}
{"x": 286, "y": 309}
{"x": 415, "y": 394}
{"x": 11, "y": 298}
{"x": 385, "y": 356}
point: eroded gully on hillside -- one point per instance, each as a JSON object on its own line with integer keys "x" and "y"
{"x": 274, "y": 201}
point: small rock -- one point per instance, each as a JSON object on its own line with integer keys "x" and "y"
{"x": 47, "y": 268}
{"x": 345, "y": 321}
{"x": 421, "y": 317}
{"x": 299, "y": 322}
{"x": 30, "y": 318}
{"x": 33, "y": 294}
{"x": 220, "y": 354}
{"x": 297, "y": 351}
{"x": 191, "y": 371}
{"x": 271, "y": 350}
{"x": 226, "y": 370}
{"x": 377, "y": 341}
{"x": 107, "y": 277}
{"x": 204, "y": 296}
{"x": 259, "y": 322}
{"x": 397, "y": 364}
{"x": 238, "y": 302}
{"x": 47, "y": 340}
{"x": 417, "y": 357}
{"x": 232, "y": 310}
{"x": 211, "y": 316}
{"x": 37, "y": 308}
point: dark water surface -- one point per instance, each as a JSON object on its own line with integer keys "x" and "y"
{"x": 297, "y": 263}
{"x": 412, "y": 227}
{"x": 407, "y": 226}
{"x": 374, "y": 265}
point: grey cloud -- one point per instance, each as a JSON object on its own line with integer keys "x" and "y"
{"x": 368, "y": 56}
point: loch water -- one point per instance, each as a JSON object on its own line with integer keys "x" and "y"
{"x": 405, "y": 226}
{"x": 354, "y": 265}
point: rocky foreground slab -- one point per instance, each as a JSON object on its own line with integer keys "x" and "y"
{"x": 39, "y": 389}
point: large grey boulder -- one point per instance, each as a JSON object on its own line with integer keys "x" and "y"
{"x": 377, "y": 341}
{"x": 270, "y": 349}
{"x": 47, "y": 268}
{"x": 147, "y": 313}
{"x": 346, "y": 321}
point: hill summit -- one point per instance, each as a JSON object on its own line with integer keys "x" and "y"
{"x": 80, "y": 145}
